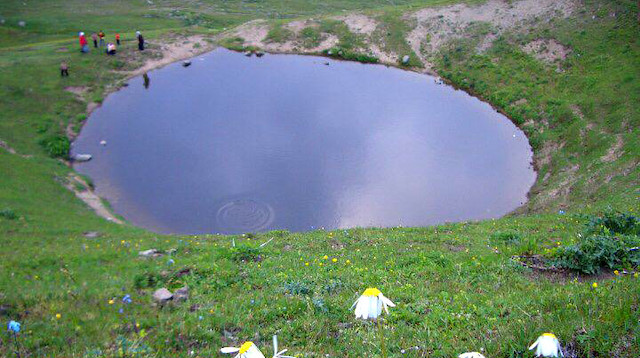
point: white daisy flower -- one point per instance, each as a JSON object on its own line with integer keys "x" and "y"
{"x": 547, "y": 346}
{"x": 247, "y": 350}
{"x": 371, "y": 303}
{"x": 471, "y": 355}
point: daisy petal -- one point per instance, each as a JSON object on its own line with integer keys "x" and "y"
{"x": 230, "y": 350}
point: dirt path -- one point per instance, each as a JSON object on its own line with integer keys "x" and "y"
{"x": 90, "y": 198}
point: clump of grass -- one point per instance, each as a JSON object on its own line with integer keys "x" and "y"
{"x": 311, "y": 37}
{"x": 506, "y": 237}
{"x": 279, "y": 34}
{"x": 246, "y": 253}
{"x": 344, "y": 54}
{"x": 56, "y": 146}
{"x": 8, "y": 213}
{"x": 298, "y": 288}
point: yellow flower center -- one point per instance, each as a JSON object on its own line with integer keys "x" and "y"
{"x": 371, "y": 292}
{"x": 549, "y": 335}
{"x": 245, "y": 347}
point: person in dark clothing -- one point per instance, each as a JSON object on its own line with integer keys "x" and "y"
{"x": 64, "y": 69}
{"x": 146, "y": 80}
{"x": 140, "y": 41}
{"x": 94, "y": 37}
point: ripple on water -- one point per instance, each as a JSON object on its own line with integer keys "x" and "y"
{"x": 245, "y": 215}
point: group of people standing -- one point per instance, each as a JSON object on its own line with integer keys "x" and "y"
{"x": 98, "y": 41}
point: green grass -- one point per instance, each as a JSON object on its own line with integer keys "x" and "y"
{"x": 457, "y": 287}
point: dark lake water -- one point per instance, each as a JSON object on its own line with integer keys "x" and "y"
{"x": 235, "y": 144}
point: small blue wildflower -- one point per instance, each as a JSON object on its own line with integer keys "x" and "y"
{"x": 200, "y": 318}
{"x": 170, "y": 262}
{"x": 121, "y": 310}
{"x": 126, "y": 299}
{"x": 561, "y": 212}
{"x": 13, "y": 326}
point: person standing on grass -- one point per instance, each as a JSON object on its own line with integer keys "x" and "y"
{"x": 117, "y": 39}
{"x": 64, "y": 69}
{"x": 101, "y": 36}
{"x": 140, "y": 41}
{"x": 84, "y": 48}
{"x": 94, "y": 37}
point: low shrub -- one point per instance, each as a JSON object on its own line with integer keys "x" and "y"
{"x": 613, "y": 222}
{"x": 8, "y": 214}
{"x": 592, "y": 253}
{"x": 245, "y": 253}
{"x": 506, "y": 237}
{"x": 298, "y": 288}
{"x": 57, "y": 146}
{"x": 341, "y": 53}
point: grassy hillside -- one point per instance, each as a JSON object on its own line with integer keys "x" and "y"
{"x": 491, "y": 285}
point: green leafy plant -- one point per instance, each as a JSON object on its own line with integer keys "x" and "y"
{"x": 57, "y": 146}
{"x": 245, "y": 253}
{"x": 8, "y": 214}
{"x": 592, "y": 253}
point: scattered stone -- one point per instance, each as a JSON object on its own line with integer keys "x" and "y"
{"x": 186, "y": 63}
{"x": 22, "y": 23}
{"x": 162, "y": 296}
{"x": 259, "y": 53}
{"x": 405, "y": 59}
{"x": 171, "y": 251}
{"x": 330, "y": 52}
{"x": 150, "y": 253}
{"x": 248, "y": 53}
{"x": 82, "y": 157}
{"x": 326, "y": 63}
{"x": 103, "y": 143}
{"x": 181, "y": 294}
{"x": 439, "y": 81}
{"x": 91, "y": 234}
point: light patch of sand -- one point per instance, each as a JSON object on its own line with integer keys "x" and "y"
{"x": 90, "y": 198}
{"x": 548, "y": 51}
{"x": 329, "y": 42}
{"x": 388, "y": 58}
{"x": 441, "y": 24}
{"x": 297, "y": 26}
{"x": 615, "y": 151}
{"x": 180, "y": 49}
{"x": 253, "y": 32}
{"x": 359, "y": 23}
{"x": 78, "y": 91}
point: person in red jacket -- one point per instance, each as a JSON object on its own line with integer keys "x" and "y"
{"x": 118, "y": 39}
{"x": 84, "y": 48}
{"x": 101, "y": 36}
